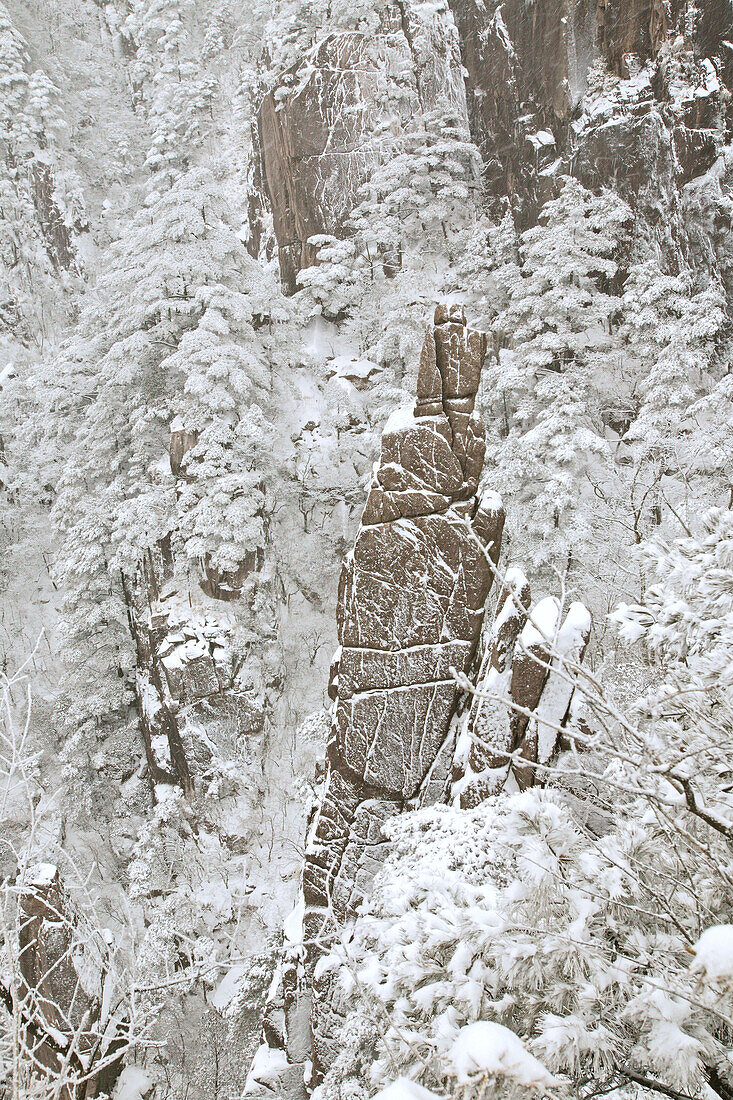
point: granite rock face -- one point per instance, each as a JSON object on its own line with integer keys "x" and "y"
{"x": 632, "y": 93}
{"x": 410, "y": 610}
{"x": 536, "y": 114}
{"x": 185, "y": 676}
{"x": 322, "y": 128}
{"x": 63, "y": 967}
{"x": 526, "y": 70}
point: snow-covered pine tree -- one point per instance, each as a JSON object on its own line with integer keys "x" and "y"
{"x": 557, "y": 332}
{"x": 168, "y": 75}
{"x": 177, "y": 332}
{"x": 672, "y": 330}
{"x": 419, "y": 195}
{"x": 34, "y": 240}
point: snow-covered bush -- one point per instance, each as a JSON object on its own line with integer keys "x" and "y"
{"x": 601, "y": 940}
{"x": 69, "y": 1015}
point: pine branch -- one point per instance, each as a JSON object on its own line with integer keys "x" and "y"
{"x": 651, "y": 1083}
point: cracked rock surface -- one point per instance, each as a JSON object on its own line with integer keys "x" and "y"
{"x": 410, "y": 610}
{"x": 322, "y": 129}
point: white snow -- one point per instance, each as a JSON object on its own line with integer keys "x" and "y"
{"x": 266, "y": 1067}
{"x": 486, "y": 1047}
{"x": 293, "y": 925}
{"x": 228, "y": 987}
{"x": 575, "y": 629}
{"x": 132, "y": 1084}
{"x": 491, "y": 501}
{"x": 514, "y": 580}
{"x": 43, "y": 874}
{"x": 354, "y": 369}
{"x": 714, "y": 953}
{"x": 149, "y": 699}
{"x": 404, "y": 1089}
{"x": 161, "y": 750}
{"x": 558, "y": 691}
{"x": 320, "y": 338}
{"x": 402, "y": 417}
{"x": 553, "y": 169}
{"x": 541, "y": 138}
{"x": 6, "y": 373}
{"x": 542, "y": 623}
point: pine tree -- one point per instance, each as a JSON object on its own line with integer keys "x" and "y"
{"x": 557, "y": 332}
{"x": 177, "y": 93}
{"x": 419, "y": 195}
{"x": 30, "y": 125}
{"x": 173, "y": 333}
{"x": 672, "y": 330}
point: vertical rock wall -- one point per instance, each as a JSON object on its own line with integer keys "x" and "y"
{"x": 518, "y": 73}
{"x": 410, "y": 610}
{"x": 330, "y": 118}
{"x": 65, "y": 997}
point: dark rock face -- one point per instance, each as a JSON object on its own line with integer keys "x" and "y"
{"x": 321, "y": 129}
{"x": 518, "y": 74}
{"x": 634, "y": 28}
{"x": 528, "y": 67}
{"x": 312, "y": 156}
{"x": 56, "y": 233}
{"x": 62, "y": 965}
{"x": 410, "y": 609}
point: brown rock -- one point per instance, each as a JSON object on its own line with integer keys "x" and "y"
{"x": 321, "y": 129}
{"x": 429, "y": 382}
{"x": 63, "y": 964}
{"x": 181, "y": 441}
{"x": 410, "y": 607}
{"x": 536, "y": 677}
{"x": 311, "y": 131}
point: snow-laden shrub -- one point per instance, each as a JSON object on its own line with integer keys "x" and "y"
{"x": 602, "y": 941}
{"x": 512, "y": 913}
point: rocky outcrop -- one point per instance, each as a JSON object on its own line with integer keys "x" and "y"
{"x": 634, "y": 28}
{"x": 524, "y": 77}
{"x": 327, "y": 121}
{"x": 526, "y": 68}
{"x": 188, "y": 677}
{"x": 524, "y": 691}
{"x": 75, "y": 1037}
{"x": 189, "y": 674}
{"x": 57, "y": 235}
{"x": 410, "y": 610}
{"x": 410, "y": 614}
{"x": 535, "y": 115}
